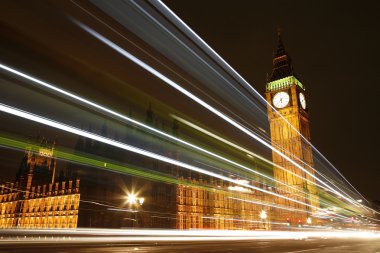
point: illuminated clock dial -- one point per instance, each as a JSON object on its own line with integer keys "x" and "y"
{"x": 281, "y": 99}
{"x": 302, "y": 100}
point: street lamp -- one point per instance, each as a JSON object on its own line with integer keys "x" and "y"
{"x": 263, "y": 214}
{"x": 141, "y": 201}
{"x": 133, "y": 199}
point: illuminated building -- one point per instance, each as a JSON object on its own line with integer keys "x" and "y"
{"x": 197, "y": 201}
{"x": 37, "y": 198}
{"x": 286, "y": 94}
{"x": 221, "y": 206}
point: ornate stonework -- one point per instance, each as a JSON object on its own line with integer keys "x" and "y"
{"x": 37, "y": 199}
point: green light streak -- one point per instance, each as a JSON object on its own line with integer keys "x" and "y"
{"x": 88, "y": 161}
{"x": 103, "y": 164}
{"x": 147, "y": 174}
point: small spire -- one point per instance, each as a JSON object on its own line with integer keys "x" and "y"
{"x": 282, "y": 64}
{"x": 280, "y": 45}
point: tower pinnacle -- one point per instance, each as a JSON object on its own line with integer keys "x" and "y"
{"x": 282, "y": 64}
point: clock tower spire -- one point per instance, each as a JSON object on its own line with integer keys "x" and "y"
{"x": 282, "y": 63}
{"x": 289, "y": 130}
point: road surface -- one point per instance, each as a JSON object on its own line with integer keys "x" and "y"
{"x": 268, "y": 246}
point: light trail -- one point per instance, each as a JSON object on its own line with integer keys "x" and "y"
{"x": 175, "y": 19}
{"x": 138, "y": 235}
{"x": 232, "y": 162}
{"x": 10, "y": 143}
{"x": 243, "y": 220}
{"x": 184, "y": 45}
{"x": 193, "y": 52}
{"x": 122, "y": 209}
{"x": 353, "y": 201}
{"x": 280, "y": 149}
{"x": 202, "y": 130}
{"x": 73, "y": 130}
{"x": 97, "y": 106}
{"x": 173, "y": 138}
{"x": 57, "y": 89}
{"x": 271, "y": 205}
{"x": 156, "y": 59}
{"x": 338, "y": 216}
{"x": 130, "y": 120}
{"x": 204, "y": 104}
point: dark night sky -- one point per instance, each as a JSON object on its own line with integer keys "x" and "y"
{"x": 333, "y": 45}
{"x": 335, "y": 52}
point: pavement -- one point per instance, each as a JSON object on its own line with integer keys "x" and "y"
{"x": 268, "y": 246}
{"x": 186, "y": 241}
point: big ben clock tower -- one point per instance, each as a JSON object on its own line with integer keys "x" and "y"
{"x": 287, "y": 95}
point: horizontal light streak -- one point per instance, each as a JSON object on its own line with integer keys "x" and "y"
{"x": 118, "y": 168}
{"x": 201, "y": 102}
{"x": 217, "y": 57}
{"x": 249, "y": 153}
{"x": 271, "y": 205}
{"x": 322, "y": 211}
{"x": 93, "y": 104}
{"x": 130, "y": 120}
{"x": 85, "y": 101}
{"x": 243, "y": 220}
{"x": 107, "y": 235}
{"x": 73, "y": 130}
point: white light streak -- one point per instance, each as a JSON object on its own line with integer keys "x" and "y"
{"x": 272, "y": 205}
{"x": 113, "y": 235}
{"x": 197, "y": 100}
{"x": 130, "y": 120}
{"x": 73, "y": 130}
{"x": 238, "y": 189}
{"x": 249, "y": 153}
{"x": 235, "y": 73}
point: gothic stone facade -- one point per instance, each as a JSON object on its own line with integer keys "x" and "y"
{"x": 36, "y": 199}
{"x": 214, "y": 205}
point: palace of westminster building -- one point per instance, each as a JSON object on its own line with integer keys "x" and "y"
{"x": 38, "y": 198}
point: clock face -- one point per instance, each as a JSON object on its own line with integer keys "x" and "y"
{"x": 281, "y": 99}
{"x": 302, "y": 100}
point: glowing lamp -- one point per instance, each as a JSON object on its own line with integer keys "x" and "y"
{"x": 263, "y": 215}
{"x": 131, "y": 199}
{"x": 141, "y": 201}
